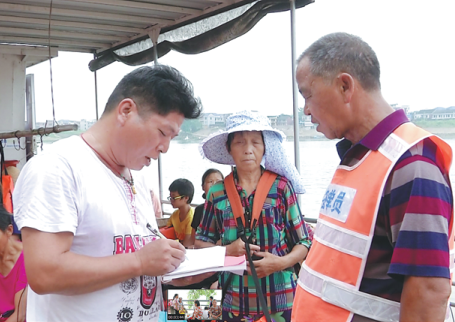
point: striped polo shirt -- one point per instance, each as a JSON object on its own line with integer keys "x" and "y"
{"x": 412, "y": 228}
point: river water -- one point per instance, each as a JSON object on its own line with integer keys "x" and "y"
{"x": 318, "y": 160}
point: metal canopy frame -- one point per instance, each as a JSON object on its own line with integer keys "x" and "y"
{"x": 38, "y": 29}
{"x": 98, "y": 25}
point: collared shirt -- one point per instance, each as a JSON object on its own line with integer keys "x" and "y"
{"x": 411, "y": 233}
{"x": 280, "y": 227}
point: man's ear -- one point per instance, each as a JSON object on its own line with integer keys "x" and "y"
{"x": 124, "y": 109}
{"x": 9, "y": 230}
{"x": 346, "y": 85}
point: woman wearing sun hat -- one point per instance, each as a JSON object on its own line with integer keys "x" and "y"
{"x": 251, "y": 145}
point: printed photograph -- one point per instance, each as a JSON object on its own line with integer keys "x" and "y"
{"x": 194, "y": 305}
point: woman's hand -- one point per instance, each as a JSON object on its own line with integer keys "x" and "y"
{"x": 237, "y": 248}
{"x": 269, "y": 264}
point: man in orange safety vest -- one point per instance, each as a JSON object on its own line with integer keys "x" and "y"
{"x": 383, "y": 245}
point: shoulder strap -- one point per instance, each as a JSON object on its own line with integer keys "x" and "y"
{"x": 265, "y": 183}
{"x": 234, "y": 198}
{"x": 262, "y": 190}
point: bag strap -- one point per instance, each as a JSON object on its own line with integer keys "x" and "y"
{"x": 265, "y": 183}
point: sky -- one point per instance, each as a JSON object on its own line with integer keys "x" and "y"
{"x": 414, "y": 42}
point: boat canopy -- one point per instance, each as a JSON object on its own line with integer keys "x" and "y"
{"x": 126, "y": 31}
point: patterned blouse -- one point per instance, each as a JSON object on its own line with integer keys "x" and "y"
{"x": 175, "y": 303}
{"x": 215, "y": 312}
{"x": 280, "y": 227}
{"x": 197, "y": 313}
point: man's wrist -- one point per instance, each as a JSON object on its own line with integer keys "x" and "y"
{"x": 137, "y": 264}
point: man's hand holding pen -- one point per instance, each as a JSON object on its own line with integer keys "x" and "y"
{"x": 160, "y": 257}
{"x": 157, "y": 233}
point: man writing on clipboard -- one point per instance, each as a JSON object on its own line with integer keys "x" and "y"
{"x": 78, "y": 204}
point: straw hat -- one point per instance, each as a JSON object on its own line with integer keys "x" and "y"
{"x": 275, "y": 158}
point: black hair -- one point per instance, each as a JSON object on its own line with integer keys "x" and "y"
{"x": 184, "y": 187}
{"x": 176, "y": 295}
{"x": 204, "y": 176}
{"x": 5, "y": 218}
{"x": 159, "y": 88}
{"x": 211, "y": 297}
{"x": 231, "y": 137}
{"x": 197, "y": 303}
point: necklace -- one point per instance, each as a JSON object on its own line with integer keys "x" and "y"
{"x": 130, "y": 182}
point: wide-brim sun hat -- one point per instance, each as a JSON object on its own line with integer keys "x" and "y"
{"x": 214, "y": 146}
{"x": 275, "y": 158}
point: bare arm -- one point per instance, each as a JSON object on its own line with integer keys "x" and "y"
{"x": 202, "y": 244}
{"x": 188, "y": 241}
{"x": 424, "y": 299}
{"x": 236, "y": 248}
{"x": 217, "y": 315}
{"x": 272, "y": 263}
{"x": 53, "y": 268}
{"x": 20, "y": 302}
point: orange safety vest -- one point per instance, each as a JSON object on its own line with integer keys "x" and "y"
{"x": 7, "y": 184}
{"x": 7, "y": 187}
{"x": 330, "y": 277}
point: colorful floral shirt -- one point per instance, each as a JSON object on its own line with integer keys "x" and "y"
{"x": 279, "y": 229}
{"x": 215, "y": 312}
{"x": 197, "y": 313}
{"x": 175, "y": 303}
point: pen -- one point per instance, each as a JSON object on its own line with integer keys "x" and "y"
{"x": 155, "y": 231}
{"x": 159, "y": 234}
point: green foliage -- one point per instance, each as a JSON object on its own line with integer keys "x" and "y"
{"x": 196, "y": 294}
{"x": 191, "y": 126}
{"x": 435, "y": 123}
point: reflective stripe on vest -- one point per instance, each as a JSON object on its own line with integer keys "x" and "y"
{"x": 331, "y": 275}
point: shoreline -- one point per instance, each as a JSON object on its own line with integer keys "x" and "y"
{"x": 304, "y": 134}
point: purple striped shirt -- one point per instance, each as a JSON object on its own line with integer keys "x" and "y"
{"x": 412, "y": 228}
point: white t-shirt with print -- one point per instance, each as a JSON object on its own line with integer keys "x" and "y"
{"x": 67, "y": 188}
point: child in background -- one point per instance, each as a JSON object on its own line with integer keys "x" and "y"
{"x": 182, "y": 309}
{"x": 209, "y": 178}
{"x": 181, "y": 194}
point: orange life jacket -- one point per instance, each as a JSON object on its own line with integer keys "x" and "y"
{"x": 330, "y": 278}
{"x": 7, "y": 189}
{"x": 7, "y": 185}
{"x": 265, "y": 183}
{"x": 168, "y": 232}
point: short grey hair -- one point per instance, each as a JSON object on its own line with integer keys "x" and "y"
{"x": 344, "y": 53}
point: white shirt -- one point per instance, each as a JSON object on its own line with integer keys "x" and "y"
{"x": 67, "y": 188}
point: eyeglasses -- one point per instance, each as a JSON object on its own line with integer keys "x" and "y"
{"x": 175, "y": 198}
